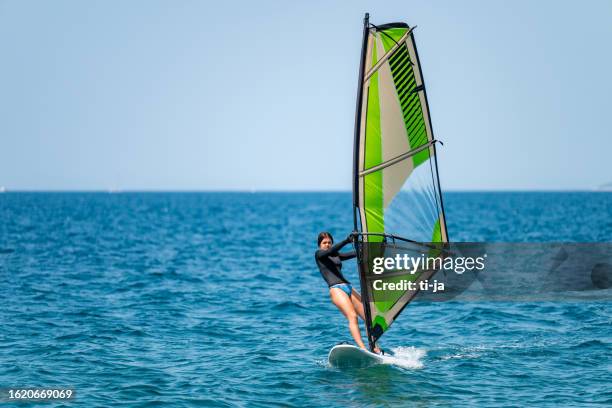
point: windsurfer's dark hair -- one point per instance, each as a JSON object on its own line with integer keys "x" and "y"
{"x": 322, "y": 236}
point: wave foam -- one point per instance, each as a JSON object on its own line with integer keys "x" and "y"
{"x": 406, "y": 357}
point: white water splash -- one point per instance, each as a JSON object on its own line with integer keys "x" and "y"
{"x": 322, "y": 362}
{"x": 406, "y": 357}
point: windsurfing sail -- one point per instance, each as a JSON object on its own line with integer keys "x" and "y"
{"x": 396, "y": 190}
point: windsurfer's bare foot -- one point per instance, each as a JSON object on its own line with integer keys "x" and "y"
{"x": 376, "y": 350}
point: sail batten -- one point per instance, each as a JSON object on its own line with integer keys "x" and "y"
{"x": 387, "y": 55}
{"x": 396, "y": 184}
{"x": 396, "y": 159}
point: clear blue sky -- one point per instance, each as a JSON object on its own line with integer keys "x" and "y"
{"x": 196, "y": 95}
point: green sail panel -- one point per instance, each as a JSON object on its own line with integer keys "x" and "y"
{"x": 373, "y": 204}
{"x": 397, "y": 188}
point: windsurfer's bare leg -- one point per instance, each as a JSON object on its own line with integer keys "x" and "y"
{"x": 356, "y": 300}
{"x": 343, "y": 302}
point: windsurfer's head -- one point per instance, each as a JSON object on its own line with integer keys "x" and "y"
{"x": 325, "y": 240}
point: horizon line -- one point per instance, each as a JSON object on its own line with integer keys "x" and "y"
{"x": 255, "y": 191}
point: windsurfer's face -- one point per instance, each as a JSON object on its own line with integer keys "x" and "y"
{"x": 326, "y": 243}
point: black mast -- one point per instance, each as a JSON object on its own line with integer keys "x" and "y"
{"x": 364, "y": 46}
{"x": 361, "y": 267}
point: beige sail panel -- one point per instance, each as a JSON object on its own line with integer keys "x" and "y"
{"x": 393, "y": 130}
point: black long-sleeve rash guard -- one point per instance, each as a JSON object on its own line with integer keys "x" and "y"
{"x": 330, "y": 263}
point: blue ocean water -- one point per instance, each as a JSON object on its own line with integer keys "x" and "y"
{"x": 214, "y": 300}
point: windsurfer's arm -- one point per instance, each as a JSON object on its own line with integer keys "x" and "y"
{"x": 347, "y": 255}
{"x": 334, "y": 249}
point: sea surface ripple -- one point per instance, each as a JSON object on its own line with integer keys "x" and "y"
{"x": 214, "y": 300}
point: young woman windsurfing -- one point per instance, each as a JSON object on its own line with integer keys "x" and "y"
{"x": 348, "y": 300}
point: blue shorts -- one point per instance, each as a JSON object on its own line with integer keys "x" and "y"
{"x": 346, "y": 288}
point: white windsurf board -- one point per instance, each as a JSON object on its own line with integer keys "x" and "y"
{"x": 347, "y": 355}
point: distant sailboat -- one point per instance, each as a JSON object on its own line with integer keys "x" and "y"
{"x": 605, "y": 187}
